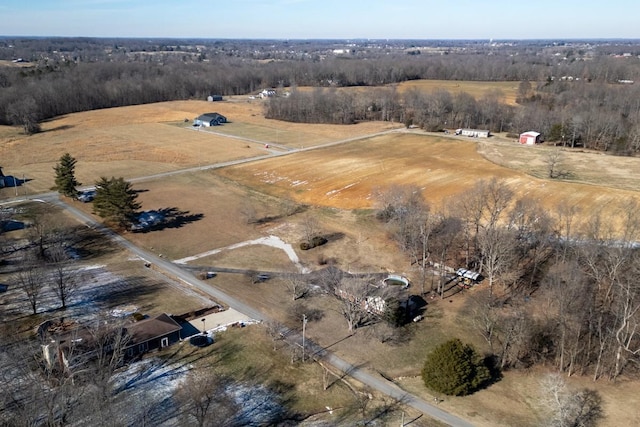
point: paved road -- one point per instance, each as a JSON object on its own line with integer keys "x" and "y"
{"x": 185, "y": 276}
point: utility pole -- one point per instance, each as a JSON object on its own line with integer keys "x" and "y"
{"x": 304, "y": 329}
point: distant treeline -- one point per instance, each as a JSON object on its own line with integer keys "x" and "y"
{"x": 593, "y": 115}
{"x": 591, "y": 109}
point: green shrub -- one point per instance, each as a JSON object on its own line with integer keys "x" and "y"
{"x": 138, "y": 316}
{"x": 454, "y": 369}
{"x": 315, "y": 241}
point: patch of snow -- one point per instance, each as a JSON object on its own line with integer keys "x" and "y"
{"x": 123, "y": 312}
{"x": 346, "y": 187}
{"x": 92, "y": 267}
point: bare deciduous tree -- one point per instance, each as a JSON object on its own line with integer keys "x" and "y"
{"x": 352, "y": 295}
{"x": 44, "y": 230}
{"x": 485, "y": 316}
{"x": 497, "y": 246}
{"x": 206, "y": 399}
{"x": 110, "y": 341}
{"x": 554, "y": 163}
{"x": 570, "y": 297}
{"x": 62, "y": 278}
{"x": 248, "y": 211}
{"x": 275, "y": 331}
{"x": 296, "y": 284}
{"x": 566, "y": 408}
{"x": 310, "y": 227}
{"x": 31, "y": 281}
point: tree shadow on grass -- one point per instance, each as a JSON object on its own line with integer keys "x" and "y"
{"x": 89, "y": 243}
{"x": 116, "y": 292}
{"x": 492, "y": 362}
{"x": 61, "y": 127}
{"x": 271, "y": 218}
{"x": 172, "y": 363}
{"x": 333, "y": 237}
{"x": 173, "y": 218}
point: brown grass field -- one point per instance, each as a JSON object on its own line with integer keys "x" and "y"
{"x": 348, "y": 176}
{"x": 148, "y": 139}
{"x": 509, "y": 90}
{"x": 339, "y": 183}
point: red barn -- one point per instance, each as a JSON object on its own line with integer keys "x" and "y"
{"x": 530, "y": 138}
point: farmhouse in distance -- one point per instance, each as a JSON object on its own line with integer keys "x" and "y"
{"x": 210, "y": 119}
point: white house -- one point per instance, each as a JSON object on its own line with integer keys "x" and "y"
{"x": 474, "y": 133}
{"x": 267, "y": 93}
{"x": 529, "y": 138}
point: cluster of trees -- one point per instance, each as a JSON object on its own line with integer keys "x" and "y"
{"x": 46, "y": 268}
{"x": 82, "y": 391}
{"x": 556, "y": 291}
{"x": 594, "y": 115}
{"x": 456, "y": 369}
{"x": 115, "y": 199}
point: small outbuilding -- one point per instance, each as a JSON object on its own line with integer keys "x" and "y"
{"x": 210, "y": 119}
{"x": 467, "y": 278}
{"x": 267, "y": 93}
{"x": 529, "y": 138}
{"x": 474, "y": 133}
{"x": 212, "y": 98}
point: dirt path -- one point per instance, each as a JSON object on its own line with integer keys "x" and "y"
{"x": 272, "y": 241}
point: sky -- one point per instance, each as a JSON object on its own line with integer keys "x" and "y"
{"x": 323, "y": 19}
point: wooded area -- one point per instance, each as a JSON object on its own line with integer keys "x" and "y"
{"x": 575, "y": 94}
{"x": 584, "y": 279}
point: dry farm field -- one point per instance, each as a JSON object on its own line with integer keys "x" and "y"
{"x": 348, "y": 176}
{"x": 509, "y": 90}
{"x": 477, "y": 89}
{"x": 154, "y": 138}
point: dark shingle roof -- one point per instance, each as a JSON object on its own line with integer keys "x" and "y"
{"x": 154, "y": 327}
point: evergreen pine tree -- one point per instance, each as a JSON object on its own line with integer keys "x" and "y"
{"x": 454, "y": 369}
{"x": 65, "y": 181}
{"x": 115, "y": 201}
